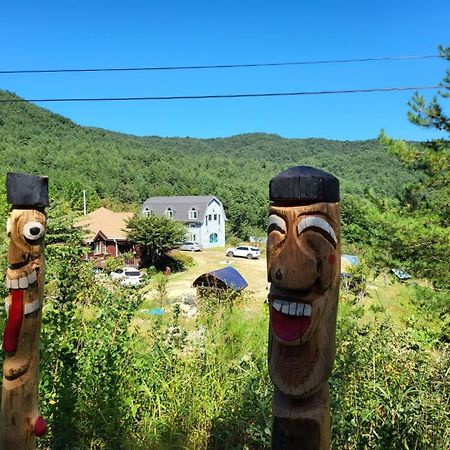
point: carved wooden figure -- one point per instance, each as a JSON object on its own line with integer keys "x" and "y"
{"x": 303, "y": 265}
{"x": 20, "y": 421}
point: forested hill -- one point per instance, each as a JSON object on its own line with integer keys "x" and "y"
{"x": 129, "y": 169}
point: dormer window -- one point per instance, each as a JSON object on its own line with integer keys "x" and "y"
{"x": 193, "y": 214}
{"x": 169, "y": 213}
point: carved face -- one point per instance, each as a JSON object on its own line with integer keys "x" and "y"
{"x": 26, "y": 229}
{"x": 303, "y": 264}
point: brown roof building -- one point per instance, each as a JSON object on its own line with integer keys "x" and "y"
{"x": 106, "y": 232}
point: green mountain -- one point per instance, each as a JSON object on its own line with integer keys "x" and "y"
{"x": 129, "y": 169}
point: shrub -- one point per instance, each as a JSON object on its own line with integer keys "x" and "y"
{"x": 178, "y": 261}
{"x": 384, "y": 392}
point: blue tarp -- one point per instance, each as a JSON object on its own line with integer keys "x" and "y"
{"x": 351, "y": 259}
{"x": 400, "y": 274}
{"x": 227, "y": 277}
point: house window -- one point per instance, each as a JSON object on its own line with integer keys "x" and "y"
{"x": 193, "y": 214}
{"x": 218, "y": 216}
{"x": 209, "y": 216}
{"x": 98, "y": 247}
{"x": 169, "y": 213}
{"x": 215, "y": 216}
{"x": 213, "y": 238}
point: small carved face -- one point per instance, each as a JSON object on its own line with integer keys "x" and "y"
{"x": 26, "y": 229}
{"x": 303, "y": 265}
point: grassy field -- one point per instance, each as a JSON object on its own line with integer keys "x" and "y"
{"x": 384, "y": 296}
{"x": 200, "y": 381}
{"x": 254, "y": 272}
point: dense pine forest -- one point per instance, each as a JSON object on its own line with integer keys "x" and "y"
{"x": 113, "y": 377}
{"x": 129, "y": 169}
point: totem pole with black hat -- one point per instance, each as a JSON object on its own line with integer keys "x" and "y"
{"x": 20, "y": 420}
{"x": 303, "y": 266}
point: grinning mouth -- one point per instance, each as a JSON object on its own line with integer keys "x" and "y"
{"x": 17, "y": 286}
{"x": 23, "y": 282}
{"x": 290, "y": 319}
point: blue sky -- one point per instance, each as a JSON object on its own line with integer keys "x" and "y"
{"x": 74, "y": 34}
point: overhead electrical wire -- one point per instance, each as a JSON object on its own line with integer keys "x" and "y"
{"x": 220, "y": 96}
{"x": 218, "y": 66}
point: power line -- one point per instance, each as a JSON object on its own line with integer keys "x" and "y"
{"x": 220, "y": 96}
{"x": 219, "y": 66}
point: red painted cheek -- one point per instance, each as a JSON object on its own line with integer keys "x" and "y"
{"x": 331, "y": 259}
{"x": 40, "y": 427}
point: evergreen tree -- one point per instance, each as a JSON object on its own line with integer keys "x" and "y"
{"x": 424, "y": 237}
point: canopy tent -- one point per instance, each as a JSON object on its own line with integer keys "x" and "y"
{"x": 225, "y": 278}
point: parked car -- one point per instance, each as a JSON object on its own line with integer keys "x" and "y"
{"x": 191, "y": 246}
{"x": 245, "y": 251}
{"x": 127, "y": 276}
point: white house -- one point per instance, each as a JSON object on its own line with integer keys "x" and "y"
{"x": 203, "y": 216}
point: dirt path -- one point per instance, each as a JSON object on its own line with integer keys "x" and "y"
{"x": 254, "y": 272}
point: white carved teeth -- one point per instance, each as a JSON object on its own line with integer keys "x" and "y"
{"x": 31, "y": 307}
{"x": 307, "y": 311}
{"x": 23, "y": 282}
{"x": 32, "y": 277}
{"x": 276, "y": 304}
{"x": 292, "y": 308}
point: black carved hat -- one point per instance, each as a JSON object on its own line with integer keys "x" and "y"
{"x": 305, "y": 184}
{"x": 24, "y": 189}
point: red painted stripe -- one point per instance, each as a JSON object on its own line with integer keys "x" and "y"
{"x": 14, "y": 323}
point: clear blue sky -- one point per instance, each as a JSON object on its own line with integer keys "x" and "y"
{"x": 74, "y": 34}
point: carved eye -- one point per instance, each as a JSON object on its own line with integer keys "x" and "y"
{"x": 320, "y": 225}
{"x": 276, "y": 223}
{"x": 33, "y": 231}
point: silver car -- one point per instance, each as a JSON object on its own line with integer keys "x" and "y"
{"x": 127, "y": 276}
{"x": 245, "y": 251}
{"x": 191, "y": 247}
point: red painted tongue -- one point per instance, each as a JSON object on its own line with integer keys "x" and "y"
{"x": 289, "y": 328}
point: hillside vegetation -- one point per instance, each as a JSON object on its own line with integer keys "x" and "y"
{"x": 114, "y": 378}
{"x": 129, "y": 169}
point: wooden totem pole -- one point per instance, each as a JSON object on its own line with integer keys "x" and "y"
{"x": 303, "y": 265}
{"x": 20, "y": 421}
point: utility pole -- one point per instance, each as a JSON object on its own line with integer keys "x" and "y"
{"x": 84, "y": 203}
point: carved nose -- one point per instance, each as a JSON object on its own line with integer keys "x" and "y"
{"x": 279, "y": 275}
{"x": 35, "y": 231}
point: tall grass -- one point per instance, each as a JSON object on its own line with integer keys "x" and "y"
{"x": 107, "y": 385}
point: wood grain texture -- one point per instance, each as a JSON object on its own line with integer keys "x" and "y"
{"x": 20, "y": 420}
{"x": 301, "y": 424}
{"x": 303, "y": 266}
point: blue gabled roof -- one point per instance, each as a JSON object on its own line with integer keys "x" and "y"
{"x": 227, "y": 275}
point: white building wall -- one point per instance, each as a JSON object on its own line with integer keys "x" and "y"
{"x": 193, "y": 232}
{"x": 212, "y": 233}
